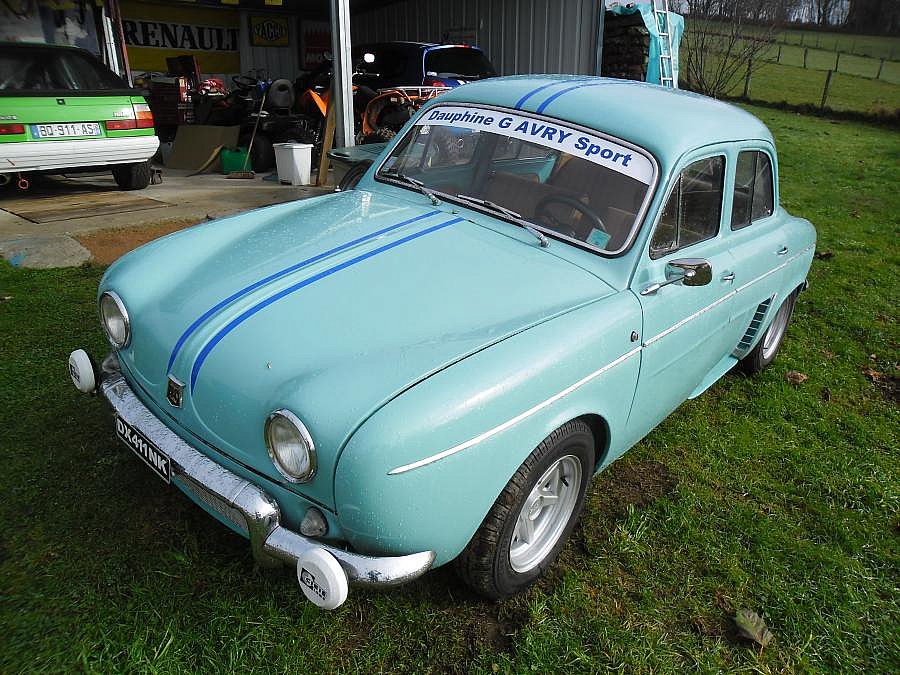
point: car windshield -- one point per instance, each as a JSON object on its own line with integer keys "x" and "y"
{"x": 35, "y": 69}
{"x": 458, "y": 62}
{"x": 540, "y": 173}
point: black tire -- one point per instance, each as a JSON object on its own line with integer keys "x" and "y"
{"x": 262, "y": 154}
{"x": 765, "y": 351}
{"x": 132, "y": 176}
{"x": 351, "y": 178}
{"x": 485, "y": 564}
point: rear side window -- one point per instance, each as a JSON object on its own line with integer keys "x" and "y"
{"x": 462, "y": 62}
{"x": 754, "y": 194}
{"x": 694, "y": 208}
{"x": 36, "y": 69}
{"x": 390, "y": 62}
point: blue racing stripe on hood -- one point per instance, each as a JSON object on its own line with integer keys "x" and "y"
{"x": 277, "y": 275}
{"x": 243, "y": 316}
{"x": 543, "y": 106}
{"x": 538, "y": 90}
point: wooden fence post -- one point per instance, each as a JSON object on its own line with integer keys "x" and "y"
{"x": 837, "y": 61}
{"x": 778, "y": 58}
{"x": 880, "y": 66}
{"x": 825, "y": 90}
{"x": 805, "y": 52}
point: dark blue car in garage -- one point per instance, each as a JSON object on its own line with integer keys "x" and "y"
{"x": 421, "y": 63}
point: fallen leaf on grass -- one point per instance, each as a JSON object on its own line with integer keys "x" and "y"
{"x": 871, "y": 374}
{"x": 824, "y": 255}
{"x": 795, "y": 377}
{"x": 752, "y": 627}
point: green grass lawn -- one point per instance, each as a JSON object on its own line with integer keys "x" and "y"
{"x": 849, "y": 64}
{"x": 877, "y": 46}
{"x": 874, "y": 46}
{"x": 776, "y": 83}
{"x": 760, "y": 494}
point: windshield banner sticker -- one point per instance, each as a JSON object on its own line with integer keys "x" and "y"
{"x": 548, "y": 134}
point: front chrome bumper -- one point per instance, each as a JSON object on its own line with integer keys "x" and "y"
{"x": 246, "y": 505}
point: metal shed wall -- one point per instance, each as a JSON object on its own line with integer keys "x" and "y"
{"x": 519, "y": 36}
{"x": 271, "y": 61}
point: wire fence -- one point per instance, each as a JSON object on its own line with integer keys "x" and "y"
{"x": 811, "y": 58}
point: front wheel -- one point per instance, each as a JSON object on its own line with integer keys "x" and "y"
{"x": 132, "y": 176}
{"x": 533, "y": 517}
{"x": 767, "y": 348}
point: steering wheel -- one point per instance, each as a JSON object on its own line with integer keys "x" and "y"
{"x": 542, "y": 214}
{"x": 244, "y": 82}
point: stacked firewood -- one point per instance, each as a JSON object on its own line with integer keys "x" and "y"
{"x": 626, "y": 45}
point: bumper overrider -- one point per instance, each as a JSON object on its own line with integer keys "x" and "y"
{"x": 324, "y": 572}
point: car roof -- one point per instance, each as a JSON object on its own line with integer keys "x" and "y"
{"x": 667, "y": 122}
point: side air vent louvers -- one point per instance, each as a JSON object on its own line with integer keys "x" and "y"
{"x": 744, "y": 345}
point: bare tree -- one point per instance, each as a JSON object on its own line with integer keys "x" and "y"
{"x": 721, "y": 45}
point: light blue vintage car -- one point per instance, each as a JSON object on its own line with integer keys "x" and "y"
{"x": 429, "y": 368}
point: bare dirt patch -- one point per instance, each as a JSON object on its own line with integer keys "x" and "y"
{"x": 106, "y": 246}
{"x": 625, "y": 485}
{"x": 636, "y": 484}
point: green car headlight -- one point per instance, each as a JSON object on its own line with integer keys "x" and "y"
{"x": 115, "y": 319}
{"x": 290, "y": 446}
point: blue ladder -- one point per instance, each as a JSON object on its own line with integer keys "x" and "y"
{"x": 666, "y": 66}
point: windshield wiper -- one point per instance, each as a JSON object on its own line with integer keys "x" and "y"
{"x": 417, "y": 184}
{"x": 509, "y": 213}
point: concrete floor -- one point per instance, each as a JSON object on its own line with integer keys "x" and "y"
{"x": 36, "y": 226}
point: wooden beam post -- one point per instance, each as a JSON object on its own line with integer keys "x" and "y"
{"x": 327, "y": 141}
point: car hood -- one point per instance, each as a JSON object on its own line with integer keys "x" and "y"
{"x": 329, "y": 307}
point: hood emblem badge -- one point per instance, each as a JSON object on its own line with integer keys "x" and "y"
{"x": 175, "y": 392}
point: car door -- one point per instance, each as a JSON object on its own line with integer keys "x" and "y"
{"x": 687, "y": 322}
{"x": 756, "y": 239}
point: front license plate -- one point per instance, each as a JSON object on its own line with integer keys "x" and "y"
{"x": 68, "y": 130}
{"x": 153, "y": 457}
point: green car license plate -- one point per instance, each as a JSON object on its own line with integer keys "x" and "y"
{"x": 65, "y": 130}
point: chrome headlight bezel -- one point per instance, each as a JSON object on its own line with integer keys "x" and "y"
{"x": 303, "y": 436}
{"x": 123, "y": 312}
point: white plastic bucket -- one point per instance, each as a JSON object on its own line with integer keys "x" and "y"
{"x": 293, "y": 162}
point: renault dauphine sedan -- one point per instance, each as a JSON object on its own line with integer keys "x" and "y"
{"x": 430, "y": 367}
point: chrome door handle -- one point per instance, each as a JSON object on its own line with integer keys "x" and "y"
{"x": 782, "y": 251}
{"x": 728, "y": 277}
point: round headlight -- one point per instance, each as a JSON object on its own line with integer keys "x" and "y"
{"x": 290, "y": 446}
{"x": 115, "y": 319}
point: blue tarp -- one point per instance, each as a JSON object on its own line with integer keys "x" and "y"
{"x": 676, "y": 28}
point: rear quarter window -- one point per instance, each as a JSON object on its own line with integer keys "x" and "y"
{"x": 458, "y": 61}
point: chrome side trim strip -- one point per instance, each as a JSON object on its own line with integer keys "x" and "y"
{"x": 688, "y": 319}
{"x": 568, "y": 390}
{"x": 515, "y": 420}
{"x": 725, "y": 297}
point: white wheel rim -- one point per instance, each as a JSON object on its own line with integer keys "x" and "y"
{"x": 776, "y": 331}
{"x": 545, "y": 514}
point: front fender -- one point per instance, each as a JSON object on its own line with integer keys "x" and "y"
{"x": 491, "y": 410}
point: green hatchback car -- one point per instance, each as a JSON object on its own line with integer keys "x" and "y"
{"x": 63, "y": 111}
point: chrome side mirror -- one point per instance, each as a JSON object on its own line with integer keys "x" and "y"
{"x": 690, "y": 271}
